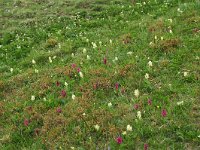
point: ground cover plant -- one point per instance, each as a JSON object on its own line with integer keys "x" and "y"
{"x": 100, "y": 74}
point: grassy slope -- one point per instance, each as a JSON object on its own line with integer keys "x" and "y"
{"x": 39, "y": 29}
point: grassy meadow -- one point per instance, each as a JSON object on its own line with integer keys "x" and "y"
{"x": 100, "y": 74}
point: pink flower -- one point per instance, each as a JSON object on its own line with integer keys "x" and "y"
{"x": 116, "y": 86}
{"x": 136, "y": 106}
{"x": 164, "y": 113}
{"x": 73, "y": 66}
{"x": 63, "y": 93}
{"x": 119, "y": 140}
{"x": 146, "y": 146}
{"x": 149, "y": 101}
{"x": 59, "y": 110}
{"x": 26, "y": 122}
{"x": 57, "y": 83}
{"x": 79, "y": 69}
{"x": 105, "y": 61}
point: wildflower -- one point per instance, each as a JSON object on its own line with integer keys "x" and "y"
{"x": 105, "y": 61}
{"x": 119, "y": 140}
{"x": 139, "y": 114}
{"x": 81, "y": 74}
{"x": 136, "y": 93}
{"x": 32, "y": 97}
{"x": 185, "y": 74}
{"x": 146, "y": 76}
{"x": 63, "y": 93}
{"x": 26, "y": 122}
{"x": 73, "y": 96}
{"x": 84, "y": 50}
{"x": 170, "y": 31}
{"x": 146, "y": 146}
{"x": 72, "y": 148}
{"x": 11, "y": 70}
{"x": 84, "y": 114}
{"x": 88, "y": 57}
{"x": 36, "y": 71}
{"x": 66, "y": 84}
{"x": 150, "y": 63}
{"x": 44, "y": 99}
{"x": 54, "y": 57}
{"x": 79, "y": 69}
{"x": 73, "y": 66}
{"x": 58, "y": 110}
{"x": 110, "y": 104}
{"x": 97, "y": 127}
{"x": 94, "y": 45}
{"x": 129, "y": 128}
{"x": 149, "y": 101}
{"x": 110, "y": 41}
{"x": 155, "y": 37}
{"x": 136, "y": 106}
{"x": 33, "y": 61}
{"x": 124, "y": 133}
{"x": 72, "y": 55}
{"x": 50, "y": 60}
{"x": 129, "y": 53}
{"x": 164, "y": 113}
{"x": 161, "y": 38}
{"x": 180, "y": 103}
{"x": 116, "y": 86}
{"x": 170, "y": 20}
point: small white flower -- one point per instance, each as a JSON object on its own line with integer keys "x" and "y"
{"x": 94, "y": 45}
{"x": 11, "y": 70}
{"x": 32, "y": 97}
{"x": 139, "y": 115}
{"x": 185, "y": 74}
{"x": 161, "y": 38}
{"x": 151, "y": 43}
{"x": 199, "y": 136}
{"x": 84, "y": 50}
{"x": 44, "y": 99}
{"x": 110, "y": 104}
{"x": 36, "y": 71}
{"x": 72, "y": 148}
{"x": 100, "y": 43}
{"x": 97, "y": 127}
{"x": 170, "y": 31}
{"x": 88, "y": 57}
{"x": 146, "y": 76}
{"x": 116, "y": 58}
{"x": 33, "y": 61}
{"x": 136, "y": 93}
{"x": 50, "y": 60}
{"x": 124, "y": 133}
{"x": 81, "y": 74}
{"x": 73, "y": 55}
{"x": 180, "y": 103}
{"x": 73, "y": 96}
{"x": 129, "y": 53}
{"x": 155, "y": 37}
{"x": 54, "y": 57}
{"x": 110, "y": 41}
{"x": 129, "y": 128}
{"x": 84, "y": 114}
{"x": 170, "y": 20}
{"x": 66, "y": 84}
{"x": 150, "y": 63}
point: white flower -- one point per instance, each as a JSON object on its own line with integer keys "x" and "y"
{"x": 50, "y": 60}
{"x": 81, "y": 74}
{"x": 150, "y": 63}
{"x": 33, "y": 61}
{"x": 97, "y": 127}
{"x": 36, "y": 71}
{"x": 66, "y": 84}
{"x": 199, "y": 136}
{"x": 161, "y": 38}
{"x": 54, "y": 57}
{"x": 84, "y": 114}
{"x": 45, "y": 99}
{"x": 185, "y": 74}
{"x": 84, "y": 50}
{"x": 88, "y": 57}
{"x": 11, "y": 70}
{"x": 73, "y": 55}
{"x": 110, "y": 104}
{"x": 130, "y": 53}
{"x": 180, "y": 103}
{"x": 87, "y": 40}
{"x": 139, "y": 115}
{"x": 170, "y": 31}
{"x": 110, "y": 41}
{"x": 155, "y": 37}
{"x": 73, "y": 96}
{"x": 170, "y": 20}
{"x": 100, "y": 43}
{"x": 94, "y": 45}
{"x": 146, "y": 76}
{"x": 124, "y": 133}
{"x": 129, "y": 128}
{"x": 32, "y": 97}
{"x": 136, "y": 93}
{"x": 72, "y": 148}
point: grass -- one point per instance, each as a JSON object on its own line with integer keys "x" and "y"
{"x": 45, "y": 44}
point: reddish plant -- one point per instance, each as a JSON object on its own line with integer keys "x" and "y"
{"x": 119, "y": 140}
